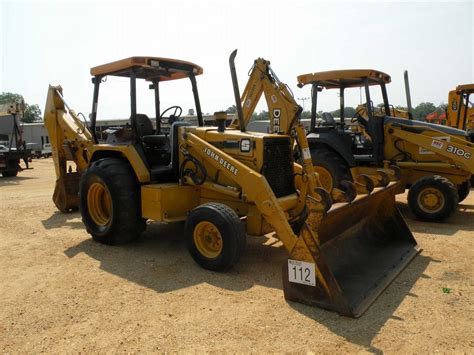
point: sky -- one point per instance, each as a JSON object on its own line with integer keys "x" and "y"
{"x": 44, "y": 42}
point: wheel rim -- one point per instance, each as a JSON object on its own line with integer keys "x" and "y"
{"x": 99, "y": 204}
{"x": 208, "y": 239}
{"x": 325, "y": 177}
{"x": 431, "y": 200}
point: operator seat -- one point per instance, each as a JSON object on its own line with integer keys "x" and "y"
{"x": 375, "y": 129}
{"x": 328, "y": 120}
{"x": 156, "y": 146}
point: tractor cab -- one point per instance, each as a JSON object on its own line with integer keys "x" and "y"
{"x": 363, "y": 139}
{"x": 155, "y": 143}
{"x": 460, "y": 110}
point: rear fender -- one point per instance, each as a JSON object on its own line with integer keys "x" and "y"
{"x": 335, "y": 141}
{"x": 129, "y": 152}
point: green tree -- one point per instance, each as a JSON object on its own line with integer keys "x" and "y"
{"x": 231, "y": 109}
{"x": 348, "y": 112}
{"x": 32, "y": 113}
{"x": 191, "y": 112}
{"x": 423, "y": 109}
{"x": 442, "y": 108}
{"x": 7, "y": 97}
{"x": 306, "y": 114}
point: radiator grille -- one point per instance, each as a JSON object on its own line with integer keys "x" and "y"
{"x": 278, "y": 165}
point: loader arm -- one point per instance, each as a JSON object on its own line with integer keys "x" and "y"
{"x": 460, "y": 152}
{"x": 282, "y": 107}
{"x": 255, "y": 188}
{"x": 70, "y": 138}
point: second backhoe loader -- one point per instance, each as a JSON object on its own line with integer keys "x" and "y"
{"x": 224, "y": 183}
{"x": 284, "y": 116}
{"x": 435, "y": 162}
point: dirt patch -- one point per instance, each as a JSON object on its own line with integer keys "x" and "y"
{"x": 62, "y": 292}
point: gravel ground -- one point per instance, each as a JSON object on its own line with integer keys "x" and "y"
{"x": 62, "y": 292}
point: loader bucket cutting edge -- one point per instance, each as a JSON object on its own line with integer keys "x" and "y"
{"x": 363, "y": 246}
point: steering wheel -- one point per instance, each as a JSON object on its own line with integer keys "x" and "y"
{"x": 173, "y": 117}
{"x": 358, "y": 117}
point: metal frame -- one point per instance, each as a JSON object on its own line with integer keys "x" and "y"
{"x": 133, "y": 102}
{"x": 462, "y": 95}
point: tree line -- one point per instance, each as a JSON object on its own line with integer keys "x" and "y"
{"x": 419, "y": 112}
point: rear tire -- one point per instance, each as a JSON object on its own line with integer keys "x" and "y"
{"x": 215, "y": 236}
{"x": 433, "y": 198}
{"x": 463, "y": 190}
{"x": 332, "y": 169}
{"x": 110, "y": 202}
{"x": 10, "y": 173}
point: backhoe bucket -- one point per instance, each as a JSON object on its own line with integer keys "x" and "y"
{"x": 362, "y": 247}
{"x": 66, "y": 192}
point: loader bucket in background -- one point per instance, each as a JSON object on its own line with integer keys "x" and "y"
{"x": 66, "y": 192}
{"x": 362, "y": 247}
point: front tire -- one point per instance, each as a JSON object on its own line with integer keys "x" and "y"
{"x": 433, "y": 198}
{"x": 110, "y": 202}
{"x": 215, "y": 236}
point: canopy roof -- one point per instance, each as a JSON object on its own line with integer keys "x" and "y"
{"x": 149, "y": 68}
{"x": 466, "y": 88}
{"x": 344, "y": 78}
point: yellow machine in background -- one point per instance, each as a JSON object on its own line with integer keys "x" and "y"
{"x": 224, "y": 183}
{"x": 435, "y": 162}
{"x": 284, "y": 117}
{"x": 460, "y": 111}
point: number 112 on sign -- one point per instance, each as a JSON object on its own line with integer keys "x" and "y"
{"x": 301, "y": 272}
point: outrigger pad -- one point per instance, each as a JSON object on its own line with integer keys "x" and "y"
{"x": 362, "y": 248}
{"x": 66, "y": 192}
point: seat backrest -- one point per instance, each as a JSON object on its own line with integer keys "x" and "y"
{"x": 375, "y": 129}
{"x": 174, "y": 144}
{"x": 328, "y": 119}
{"x": 144, "y": 125}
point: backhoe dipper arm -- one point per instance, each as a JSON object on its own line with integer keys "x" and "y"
{"x": 69, "y": 138}
{"x": 282, "y": 108}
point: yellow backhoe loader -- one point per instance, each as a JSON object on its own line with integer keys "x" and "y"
{"x": 436, "y": 162}
{"x": 224, "y": 183}
{"x": 284, "y": 116}
{"x": 460, "y": 110}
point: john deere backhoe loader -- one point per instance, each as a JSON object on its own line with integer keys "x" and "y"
{"x": 436, "y": 162}
{"x": 224, "y": 183}
{"x": 284, "y": 116}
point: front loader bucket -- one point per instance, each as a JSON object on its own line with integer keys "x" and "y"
{"x": 66, "y": 192}
{"x": 362, "y": 247}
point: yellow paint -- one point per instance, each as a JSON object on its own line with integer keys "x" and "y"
{"x": 208, "y": 239}
{"x": 168, "y": 202}
{"x": 99, "y": 204}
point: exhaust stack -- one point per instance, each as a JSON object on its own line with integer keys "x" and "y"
{"x": 408, "y": 95}
{"x": 235, "y": 85}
